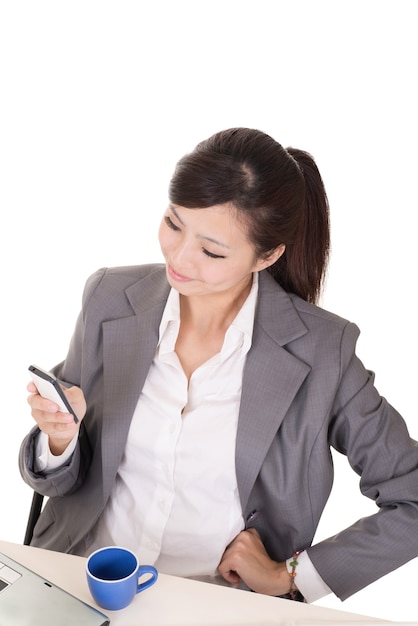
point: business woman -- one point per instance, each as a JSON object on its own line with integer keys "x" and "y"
{"x": 211, "y": 389}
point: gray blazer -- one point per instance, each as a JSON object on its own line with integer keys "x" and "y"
{"x": 303, "y": 391}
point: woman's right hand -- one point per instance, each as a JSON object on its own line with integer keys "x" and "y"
{"x": 60, "y": 427}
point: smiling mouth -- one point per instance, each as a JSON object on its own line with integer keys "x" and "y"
{"x": 176, "y": 276}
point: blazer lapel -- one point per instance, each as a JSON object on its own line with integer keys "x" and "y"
{"x": 272, "y": 377}
{"x": 129, "y": 346}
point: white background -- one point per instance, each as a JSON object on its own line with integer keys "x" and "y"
{"x": 100, "y": 99}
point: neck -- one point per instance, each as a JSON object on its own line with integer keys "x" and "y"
{"x": 214, "y": 311}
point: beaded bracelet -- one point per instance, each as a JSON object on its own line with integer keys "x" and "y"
{"x": 293, "y": 564}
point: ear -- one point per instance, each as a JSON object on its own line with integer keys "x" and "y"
{"x": 272, "y": 257}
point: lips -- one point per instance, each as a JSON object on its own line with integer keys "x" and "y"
{"x": 176, "y": 276}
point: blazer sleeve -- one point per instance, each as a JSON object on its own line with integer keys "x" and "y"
{"x": 62, "y": 481}
{"x": 375, "y": 439}
{"x": 69, "y": 477}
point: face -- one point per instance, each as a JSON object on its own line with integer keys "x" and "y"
{"x": 207, "y": 250}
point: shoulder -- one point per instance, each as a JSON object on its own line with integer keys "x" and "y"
{"x": 120, "y": 278}
{"x": 303, "y": 327}
{"x": 123, "y": 276}
{"x": 312, "y": 314}
{"x": 117, "y": 288}
{"x": 285, "y": 306}
{"x": 330, "y": 343}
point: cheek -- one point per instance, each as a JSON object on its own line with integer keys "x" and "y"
{"x": 163, "y": 236}
{"x": 219, "y": 274}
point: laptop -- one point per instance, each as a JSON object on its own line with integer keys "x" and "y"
{"x": 27, "y": 599}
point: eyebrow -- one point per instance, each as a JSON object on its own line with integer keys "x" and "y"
{"x": 205, "y": 237}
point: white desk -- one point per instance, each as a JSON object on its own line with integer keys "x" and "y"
{"x": 175, "y": 601}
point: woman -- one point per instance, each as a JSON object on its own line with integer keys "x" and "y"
{"x": 211, "y": 389}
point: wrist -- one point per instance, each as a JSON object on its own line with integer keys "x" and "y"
{"x": 58, "y": 446}
{"x": 281, "y": 583}
{"x": 294, "y": 591}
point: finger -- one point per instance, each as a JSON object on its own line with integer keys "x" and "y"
{"x": 53, "y": 418}
{"x": 75, "y": 397}
{"x": 227, "y": 571}
{"x": 231, "y": 577}
{"x": 39, "y": 403}
{"x": 253, "y": 531}
{"x": 58, "y": 428}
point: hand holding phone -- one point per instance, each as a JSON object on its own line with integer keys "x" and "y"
{"x": 48, "y": 387}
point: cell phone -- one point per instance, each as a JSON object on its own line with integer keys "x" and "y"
{"x": 48, "y": 387}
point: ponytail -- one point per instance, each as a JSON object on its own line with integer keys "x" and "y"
{"x": 301, "y": 269}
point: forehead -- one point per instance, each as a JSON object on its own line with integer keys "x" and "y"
{"x": 220, "y": 218}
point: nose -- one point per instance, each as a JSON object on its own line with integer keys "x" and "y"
{"x": 182, "y": 256}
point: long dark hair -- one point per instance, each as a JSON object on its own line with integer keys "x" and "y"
{"x": 278, "y": 193}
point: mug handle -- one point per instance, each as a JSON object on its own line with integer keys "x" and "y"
{"x": 146, "y": 569}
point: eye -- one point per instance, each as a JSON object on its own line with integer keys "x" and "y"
{"x": 211, "y": 255}
{"x": 170, "y": 223}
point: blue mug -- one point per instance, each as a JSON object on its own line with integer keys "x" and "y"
{"x": 113, "y": 577}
